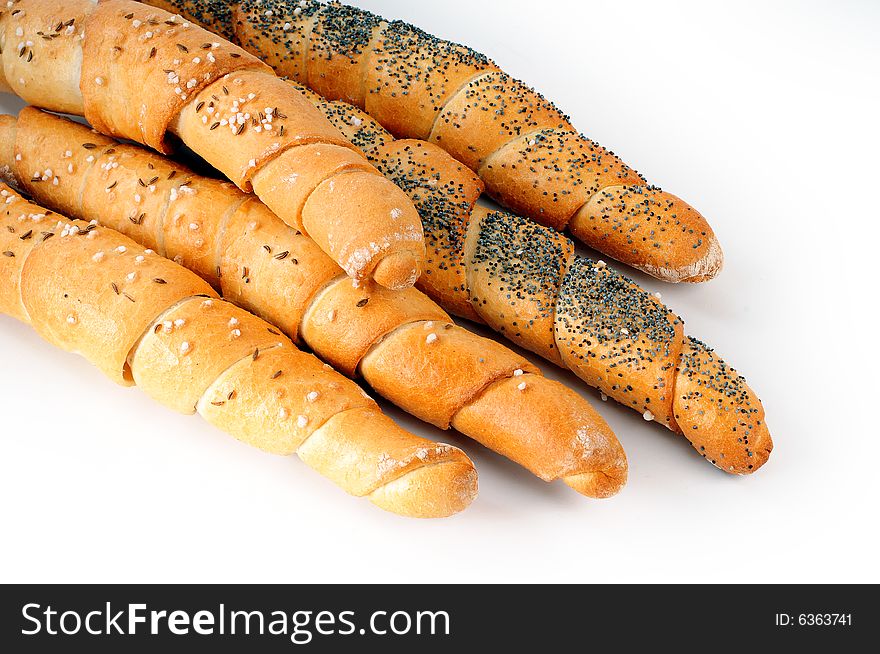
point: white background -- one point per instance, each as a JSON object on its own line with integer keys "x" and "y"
{"x": 765, "y": 117}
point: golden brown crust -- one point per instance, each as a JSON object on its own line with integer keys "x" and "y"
{"x": 442, "y": 189}
{"x": 87, "y": 173}
{"x": 560, "y": 178}
{"x": 311, "y": 35}
{"x": 358, "y": 243}
{"x": 335, "y": 75}
{"x": 48, "y": 156}
{"x": 230, "y": 227}
{"x": 444, "y": 192}
{"x": 361, "y": 129}
{"x": 302, "y": 162}
{"x": 8, "y": 126}
{"x": 270, "y": 268}
{"x": 471, "y": 134}
{"x": 335, "y": 429}
{"x": 328, "y": 446}
{"x": 619, "y": 339}
{"x": 280, "y": 416}
{"x": 594, "y": 301}
{"x": 452, "y": 367}
{"x": 118, "y": 180}
{"x": 42, "y": 58}
{"x": 718, "y": 412}
{"x": 23, "y": 226}
{"x": 293, "y": 176}
{"x": 229, "y": 121}
{"x": 345, "y": 322}
{"x": 683, "y": 247}
{"x": 513, "y": 285}
{"x": 398, "y": 270}
{"x": 252, "y": 32}
{"x": 593, "y": 295}
{"x": 535, "y": 170}
{"x": 412, "y": 494}
{"x": 102, "y": 269}
{"x": 217, "y": 21}
{"x": 196, "y": 216}
{"x": 582, "y": 450}
{"x": 191, "y": 344}
{"x": 409, "y": 84}
{"x": 141, "y": 67}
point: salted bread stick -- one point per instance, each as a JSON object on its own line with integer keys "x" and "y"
{"x": 145, "y": 320}
{"x": 402, "y": 343}
{"x": 141, "y": 73}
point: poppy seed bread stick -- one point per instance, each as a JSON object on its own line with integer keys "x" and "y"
{"x": 526, "y": 151}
